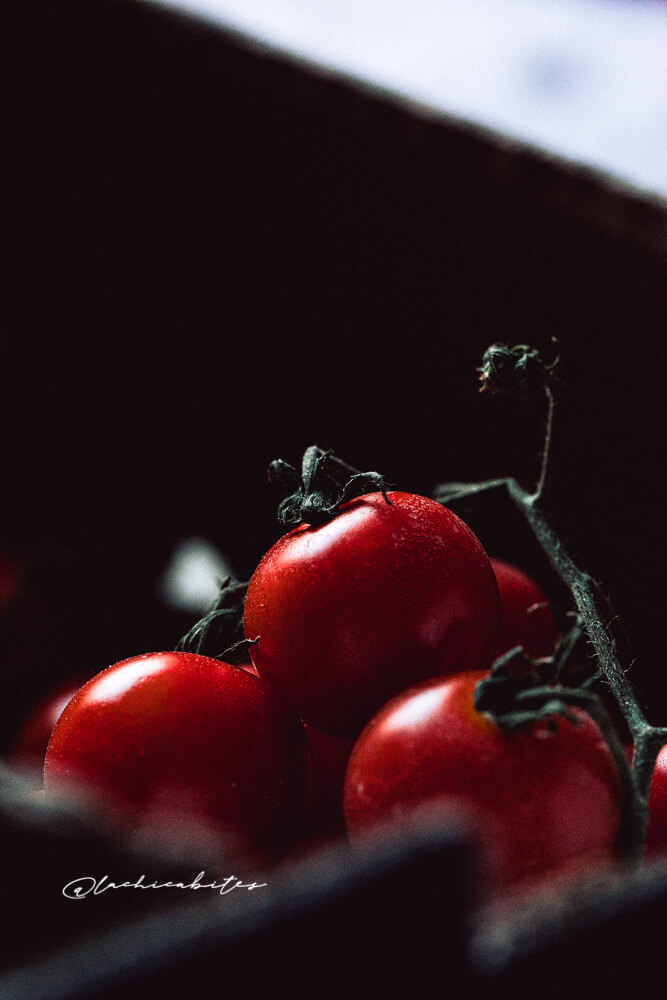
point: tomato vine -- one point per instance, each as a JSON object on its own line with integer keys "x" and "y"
{"x": 518, "y": 689}
{"x": 520, "y": 371}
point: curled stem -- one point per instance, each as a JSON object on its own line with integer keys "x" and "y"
{"x": 517, "y": 371}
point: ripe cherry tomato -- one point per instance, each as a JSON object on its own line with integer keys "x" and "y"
{"x": 549, "y": 800}
{"x": 323, "y": 810}
{"x": 34, "y": 736}
{"x": 656, "y": 837}
{"x": 176, "y": 732}
{"x": 379, "y": 598}
{"x": 535, "y": 630}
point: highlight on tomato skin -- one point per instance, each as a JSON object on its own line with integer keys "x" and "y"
{"x": 179, "y": 734}
{"x": 384, "y": 595}
{"x": 536, "y": 631}
{"x": 551, "y": 800}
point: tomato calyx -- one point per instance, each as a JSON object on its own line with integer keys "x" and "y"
{"x": 512, "y": 700}
{"x": 515, "y": 371}
{"x": 222, "y": 623}
{"x": 325, "y": 483}
{"x": 520, "y": 371}
{"x": 520, "y": 689}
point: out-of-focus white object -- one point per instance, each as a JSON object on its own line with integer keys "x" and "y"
{"x": 192, "y": 579}
{"x": 582, "y": 79}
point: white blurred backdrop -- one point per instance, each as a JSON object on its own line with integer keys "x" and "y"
{"x": 583, "y": 79}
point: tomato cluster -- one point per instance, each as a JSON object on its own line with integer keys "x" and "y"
{"x": 367, "y": 632}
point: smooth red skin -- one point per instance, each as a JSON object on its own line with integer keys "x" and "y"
{"x": 656, "y": 835}
{"x": 176, "y": 732}
{"x": 535, "y": 630}
{"x": 381, "y": 597}
{"x": 547, "y": 801}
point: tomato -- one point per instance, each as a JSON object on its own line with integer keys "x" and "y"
{"x": 323, "y": 810}
{"x": 34, "y": 736}
{"x": 656, "y": 836}
{"x": 355, "y": 610}
{"x": 549, "y": 800}
{"x": 178, "y": 733}
{"x": 535, "y": 630}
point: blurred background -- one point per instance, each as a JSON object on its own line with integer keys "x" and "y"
{"x": 585, "y": 79}
{"x": 232, "y": 231}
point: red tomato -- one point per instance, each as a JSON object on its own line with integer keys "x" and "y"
{"x": 549, "y": 800}
{"x": 176, "y": 732}
{"x": 35, "y": 734}
{"x": 323, "y": 811}
{"x": 379, "y": 598}
{"x": 656, "y": 837}
{"x": 534, "y": 630}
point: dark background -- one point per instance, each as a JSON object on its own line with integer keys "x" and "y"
{"x": 215, "y": 257}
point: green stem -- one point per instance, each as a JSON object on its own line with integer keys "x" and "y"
{"x": 590, "y": 605}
